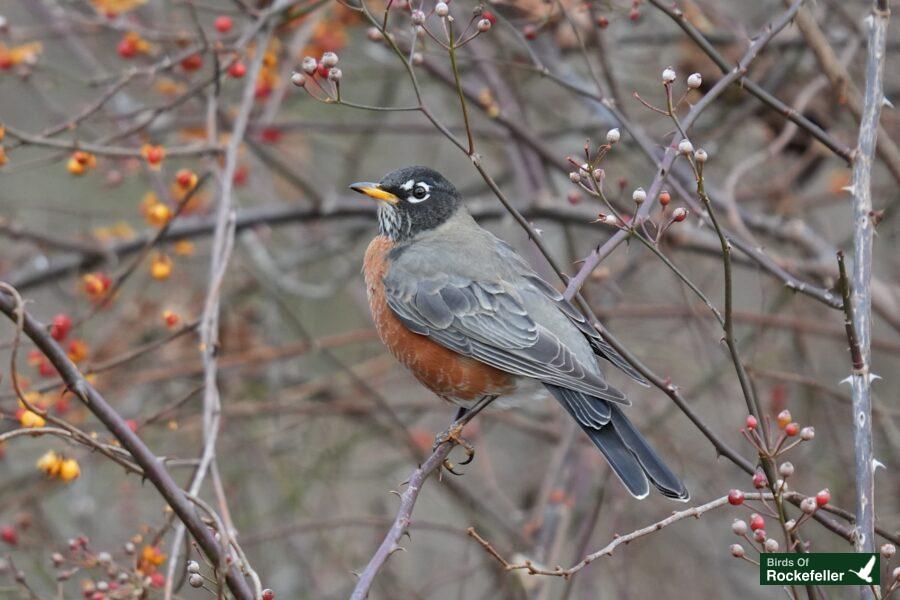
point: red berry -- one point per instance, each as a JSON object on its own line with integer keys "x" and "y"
{"x": 132, "y": 425}
{"x": 757, "y": 522}
{"x": 823, "y": 498}
{"x": 223, "y": 23}
{"x": 6, "y": 61}
{"x": 322, "y": 70}
{"x": 127, "y": 48}
{"x": 237, "y": 69}
{"x": 602, "y": 22}
{"x": 751, "y": 422}
{"x": 792, "y": 429}
{"x": 759, "y": 480}
{"x": 735, "y": 497}
{"x": 573, "y": 197}
{"x": 530, "y": 32}
{"x": 634, "y": 14}
{"x": 158, "y": 580}
{"x": 46, "y": 369}
{"x": 759, "y": 535}
{"x": 270, "y": 135}
{"x": 9, "y": 535}
{"x": 268, "y": 595}
{"x": 489, "y": 16}
{"x": 240, "y": 175}
{"x": 192, "y": 62}
{"x": 60, "y": 326}
{"x": 665, "y": 198}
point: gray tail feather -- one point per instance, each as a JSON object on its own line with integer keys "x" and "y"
{"x": 628, "y": 453}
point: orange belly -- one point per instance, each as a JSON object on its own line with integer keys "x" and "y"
{"x": 446, "y": 373}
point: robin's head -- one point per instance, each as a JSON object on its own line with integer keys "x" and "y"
{"x": 413, "y": 200}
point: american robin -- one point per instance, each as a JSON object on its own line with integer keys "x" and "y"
{"x": 472, "y": 320}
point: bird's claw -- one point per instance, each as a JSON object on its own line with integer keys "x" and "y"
{"x": 453, "y": 434}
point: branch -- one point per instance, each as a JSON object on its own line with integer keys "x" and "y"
{"x": 154, "y": 470}
{"x": 863, "y": 231}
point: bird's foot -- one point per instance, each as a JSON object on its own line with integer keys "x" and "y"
{"x": 453, "y": 434}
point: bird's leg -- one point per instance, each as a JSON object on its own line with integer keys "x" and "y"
{"x": 454, "y": 432}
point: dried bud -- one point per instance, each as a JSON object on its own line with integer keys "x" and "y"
{"x": 335, "y": 75}
{"x": 484, "y": 25}
{"x": 309, "y": 65}
{"x": 679, "y": 214}
{"x": 808, "y": 505}
{"x": 330, "y": 59}
{"x": 896, "y": 573}
{"x": 196, "y": 580}
{"x": 888, "y": 550}
{"x": 694, "y": 81}
{"x": 104, "y": 558}
{"x": 760, "y": 535}
{"x": 598, "y": 174}
{"x": 575, "y": 177}
{"x": 700, "y": 156}
{"x": 613, "y": 136}
{"x": 771, "y": 545}
{"x": 790, "y": 524}
{"x": 298, "y": 79}
{"x": 685, "y": 147}
{"x": 639, "y": 195}
{"x": 737, "y": 550}
{"x": 374, "y": 34}
{"x": 786, "y": 469}
{"x": 739, "y": 527}
{"x": 784, "y": 417}
{"x": 735, "y": 497}
{"x": 417, "y": 58}
{"x": 807, "y": 433}
{"x": 668, "y": 75}
{"x": 417, "y": 17}
{"x": 193, "y": 567}
{"x": 759, "y": 480}
{"x": 441, "y": 9}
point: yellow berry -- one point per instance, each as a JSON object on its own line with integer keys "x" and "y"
{"x": 69, "y": 470}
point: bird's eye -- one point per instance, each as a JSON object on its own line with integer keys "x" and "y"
{"x": 419, "y": 192}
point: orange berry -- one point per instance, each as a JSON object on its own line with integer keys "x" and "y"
{"x": 30, "y": 419}
{"x": 784, "y": 418}
{"x": 161, "y": 266}
{"x": 95, "y": 284}
{"x": 183, "y": 248}
{"x": 74, "y": 167}
{"x": 49, "y": 463}
{"x": 158, "y": 214}
{"x": 69, "y": 470}
{"x": 78, "y": 351}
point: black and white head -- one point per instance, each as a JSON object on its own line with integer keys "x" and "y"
{"x": 413, "y": 200}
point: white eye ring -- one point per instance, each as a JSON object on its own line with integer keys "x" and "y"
{"x": 419, "y": 186}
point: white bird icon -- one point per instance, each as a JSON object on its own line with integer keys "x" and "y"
{"x": 866, "y": 572}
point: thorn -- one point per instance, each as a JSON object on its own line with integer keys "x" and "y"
{"x": 847, "y": 380}
{"x": 396, "y": 493}
{"x": 850, "y": 189}
{"x": 874, "y": 377}
{"x": 886, "y": 103}
{"x": 877, "y": 463}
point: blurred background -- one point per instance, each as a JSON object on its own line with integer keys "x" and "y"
{"x": 120, "y": 119}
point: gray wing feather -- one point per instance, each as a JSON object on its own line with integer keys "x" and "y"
{"x": 488, "y": 321}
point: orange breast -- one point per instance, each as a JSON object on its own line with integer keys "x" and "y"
{"x": 446, "y": 373}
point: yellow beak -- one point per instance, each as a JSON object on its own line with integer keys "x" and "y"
{"x": 373, "y": 190}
